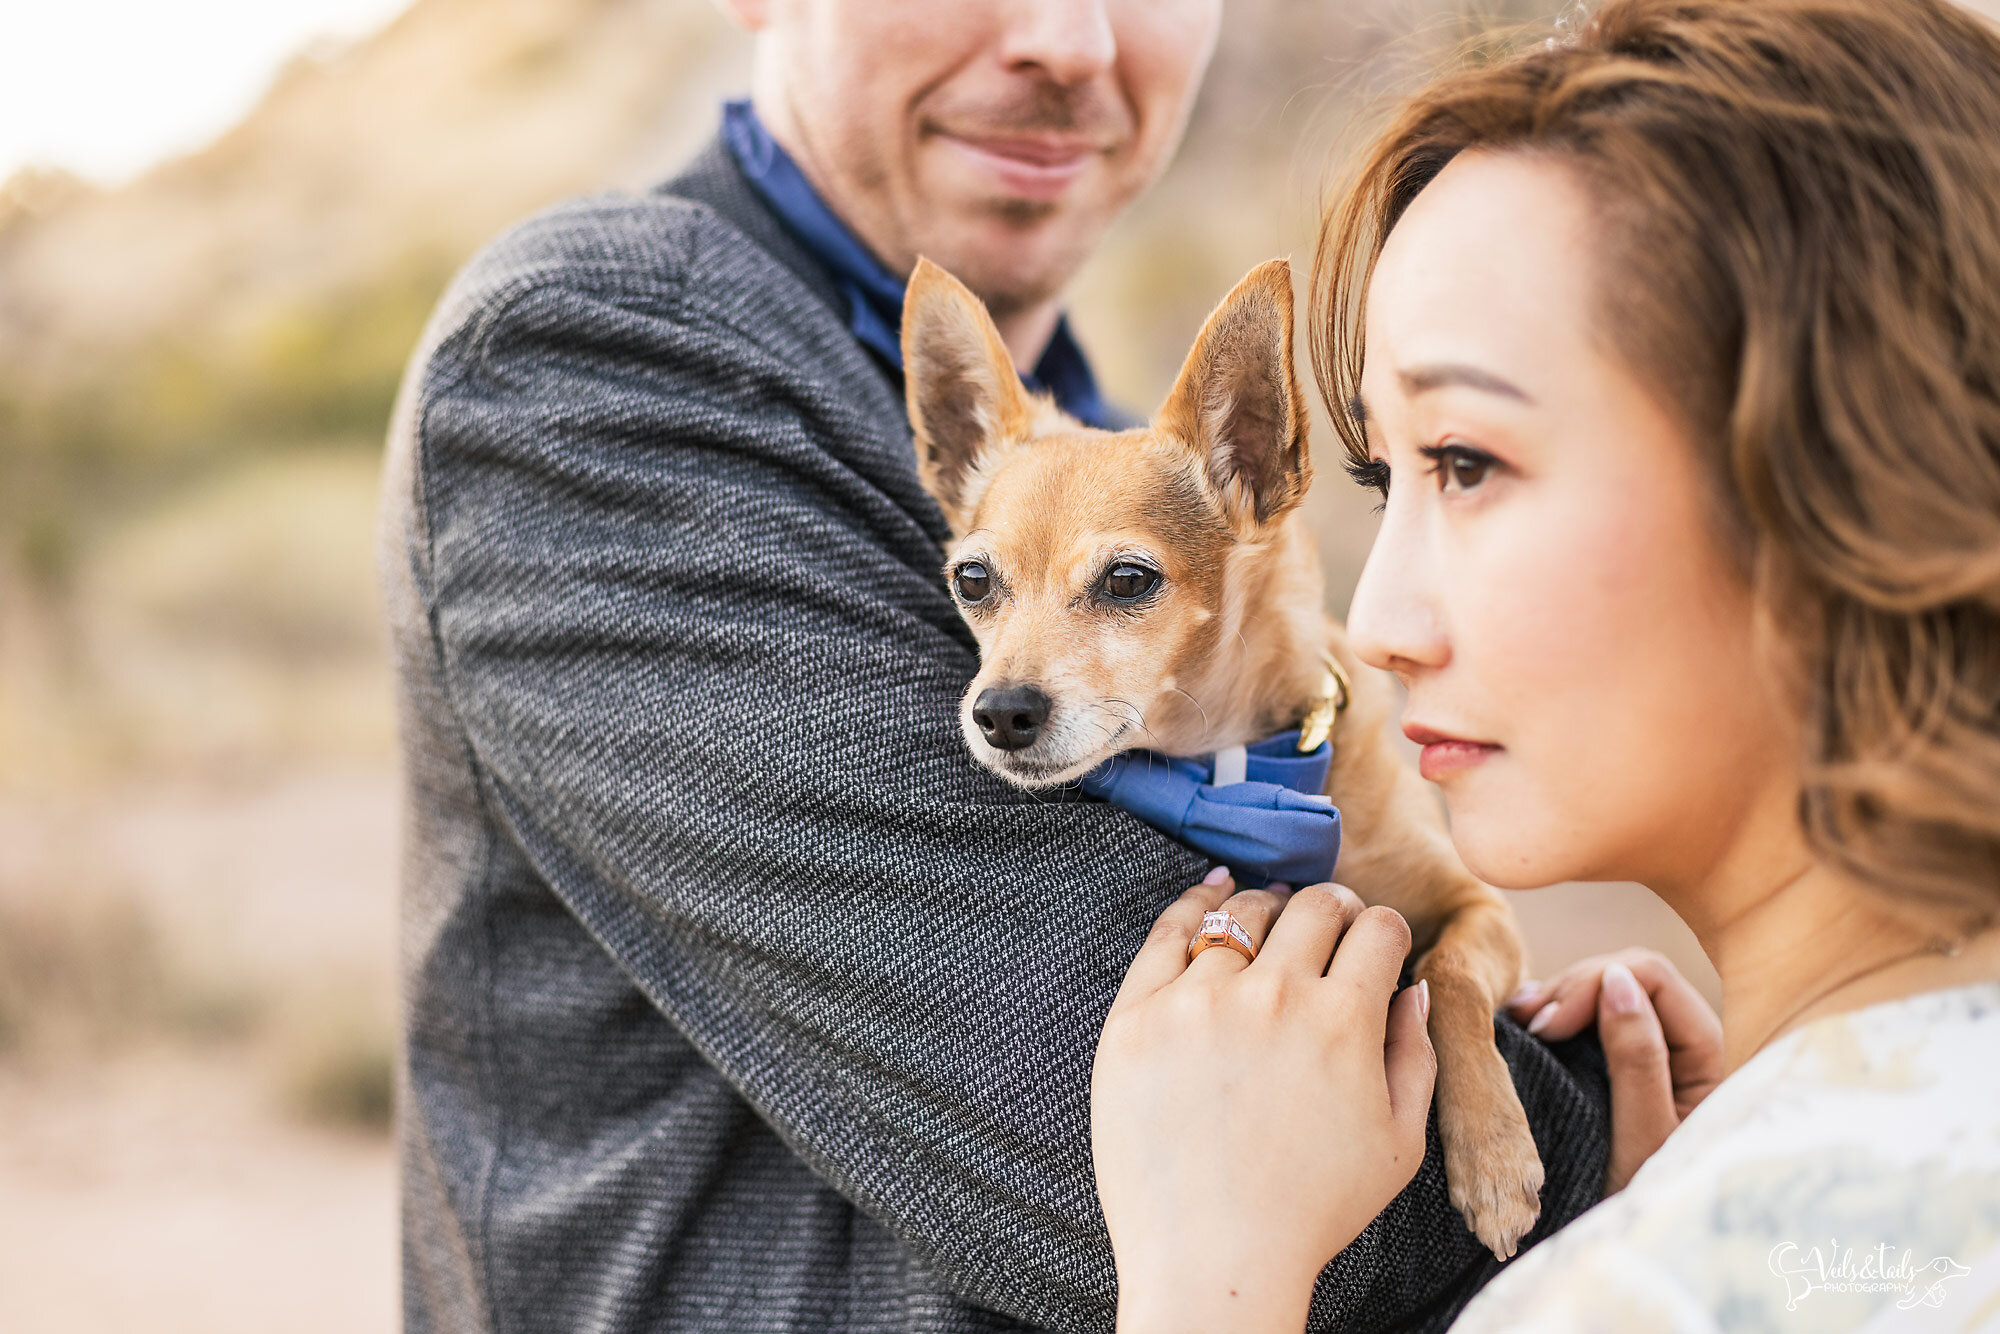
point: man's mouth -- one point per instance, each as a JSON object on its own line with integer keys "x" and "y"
{"x": 1040, "y": 167}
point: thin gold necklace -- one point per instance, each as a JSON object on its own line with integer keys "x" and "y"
{"x": 1936, "y": 946}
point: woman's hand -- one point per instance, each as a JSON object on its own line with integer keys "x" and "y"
{"x": 1662, "y": 1042}
{"x": 1249, "y": 1119}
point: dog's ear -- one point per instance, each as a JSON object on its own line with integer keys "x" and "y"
{"x": 1237, "y": 402}
{"x": 964, "y": 395}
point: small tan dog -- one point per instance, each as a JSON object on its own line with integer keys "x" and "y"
{"x": 1157, "y": 588}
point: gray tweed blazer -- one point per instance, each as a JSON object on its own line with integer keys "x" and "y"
{"x": 736, "y": 996}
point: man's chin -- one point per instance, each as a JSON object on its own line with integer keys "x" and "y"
{"x": 1015, "y": 254}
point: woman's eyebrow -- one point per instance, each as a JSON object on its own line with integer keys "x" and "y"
{"x": 1421, "y": 379}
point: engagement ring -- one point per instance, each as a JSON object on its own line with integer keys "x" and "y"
{"x": 1220, "y": 927}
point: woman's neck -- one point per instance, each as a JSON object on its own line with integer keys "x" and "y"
{"x": 1799, "y": 942}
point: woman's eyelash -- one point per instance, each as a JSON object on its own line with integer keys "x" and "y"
{"x": 1372, "y": 474}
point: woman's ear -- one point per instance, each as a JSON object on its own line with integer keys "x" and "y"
{"x": 965, "y": 398}
{"x": 1237, "y": 402}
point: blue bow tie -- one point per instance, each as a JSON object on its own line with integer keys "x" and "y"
{"x": 1263, "y": 815}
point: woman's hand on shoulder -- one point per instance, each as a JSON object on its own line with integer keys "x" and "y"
{"x": 1662, "y": 1043}
{"x": 1249, "y": 1119}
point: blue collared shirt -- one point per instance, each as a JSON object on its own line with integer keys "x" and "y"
{"x": 874, "y": 294}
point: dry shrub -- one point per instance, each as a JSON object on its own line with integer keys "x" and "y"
{"x": 82, "y": 971}
{"x": 72, "y": 969}
{"x": 82, "y": 974}
{"x": 337, "y": 1062}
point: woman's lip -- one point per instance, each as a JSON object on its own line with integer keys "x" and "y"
{"x": 1039, "y": 169}
{"x": 1440, "y": 758}
{"x": 1426, "y": 736}
{"x": 1445, "y": 754}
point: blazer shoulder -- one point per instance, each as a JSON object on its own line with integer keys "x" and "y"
{"x": 642, "y": 245}
{"x": 661, "y": 255}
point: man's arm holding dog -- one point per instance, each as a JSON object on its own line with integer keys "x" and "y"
{"x": 687, "y": 612}
{"x": 690, "y": 620}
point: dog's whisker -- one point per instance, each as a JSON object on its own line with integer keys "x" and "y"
{"x": 1135, "y": 717}
{"x": 1192, "y": 700}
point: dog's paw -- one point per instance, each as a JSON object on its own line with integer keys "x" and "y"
{"x": 1490, "y": 1164}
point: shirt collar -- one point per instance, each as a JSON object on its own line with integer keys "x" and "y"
{"x": 874, "y": 294}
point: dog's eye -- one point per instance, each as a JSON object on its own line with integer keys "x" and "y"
{"x": 1128, "y": 582}
{"x": 972, "y": 581}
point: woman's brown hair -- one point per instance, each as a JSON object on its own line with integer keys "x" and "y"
{"x": 1799, "y": 205}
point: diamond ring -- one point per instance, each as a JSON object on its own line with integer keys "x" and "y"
{"x": 1220, "y": 927}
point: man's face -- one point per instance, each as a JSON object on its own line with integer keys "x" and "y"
{"x": 998, "y": 137}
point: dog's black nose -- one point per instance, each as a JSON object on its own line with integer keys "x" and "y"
{"x": 1012, "y": 718}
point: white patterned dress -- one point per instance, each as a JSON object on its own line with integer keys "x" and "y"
{"x": 1846, "y": 1177}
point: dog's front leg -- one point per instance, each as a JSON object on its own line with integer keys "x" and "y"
{"x": 1490, "y": 1161}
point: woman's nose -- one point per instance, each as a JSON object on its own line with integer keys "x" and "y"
{"x": 1393, "y": 621}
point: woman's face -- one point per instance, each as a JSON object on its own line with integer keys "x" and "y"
{"x": 1547, "y": 583}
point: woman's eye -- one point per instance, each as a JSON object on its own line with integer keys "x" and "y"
{"x": 1465, "y": 471}
{"x": 972, "y": 581}
{"x": 1459, "y": 468}
{"x": 1129, "y": 583}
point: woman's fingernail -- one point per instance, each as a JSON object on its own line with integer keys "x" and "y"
{"x": 1524, "y": 993}
{"x": 1621, "y": 990}
{"x": 1216, "y": 876}
{"x": 1279, "y": 887}
{"x": 1424, "y": 998}
{"x": 1542, "y": 1017}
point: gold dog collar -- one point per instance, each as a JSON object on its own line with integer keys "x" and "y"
{"x": 1334, "y": 694}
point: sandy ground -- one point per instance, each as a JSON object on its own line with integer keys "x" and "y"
{"x": 160, "y": 1186}
{"x": 161, "y": 1193}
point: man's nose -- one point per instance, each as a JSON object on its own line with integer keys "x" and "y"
{"x": 1070, "y": 40}
{"x": 1011, "y": 717}
{"x": 1393, "y": 621}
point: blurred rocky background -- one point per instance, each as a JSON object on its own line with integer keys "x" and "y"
{"x": 197, "y": 785}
